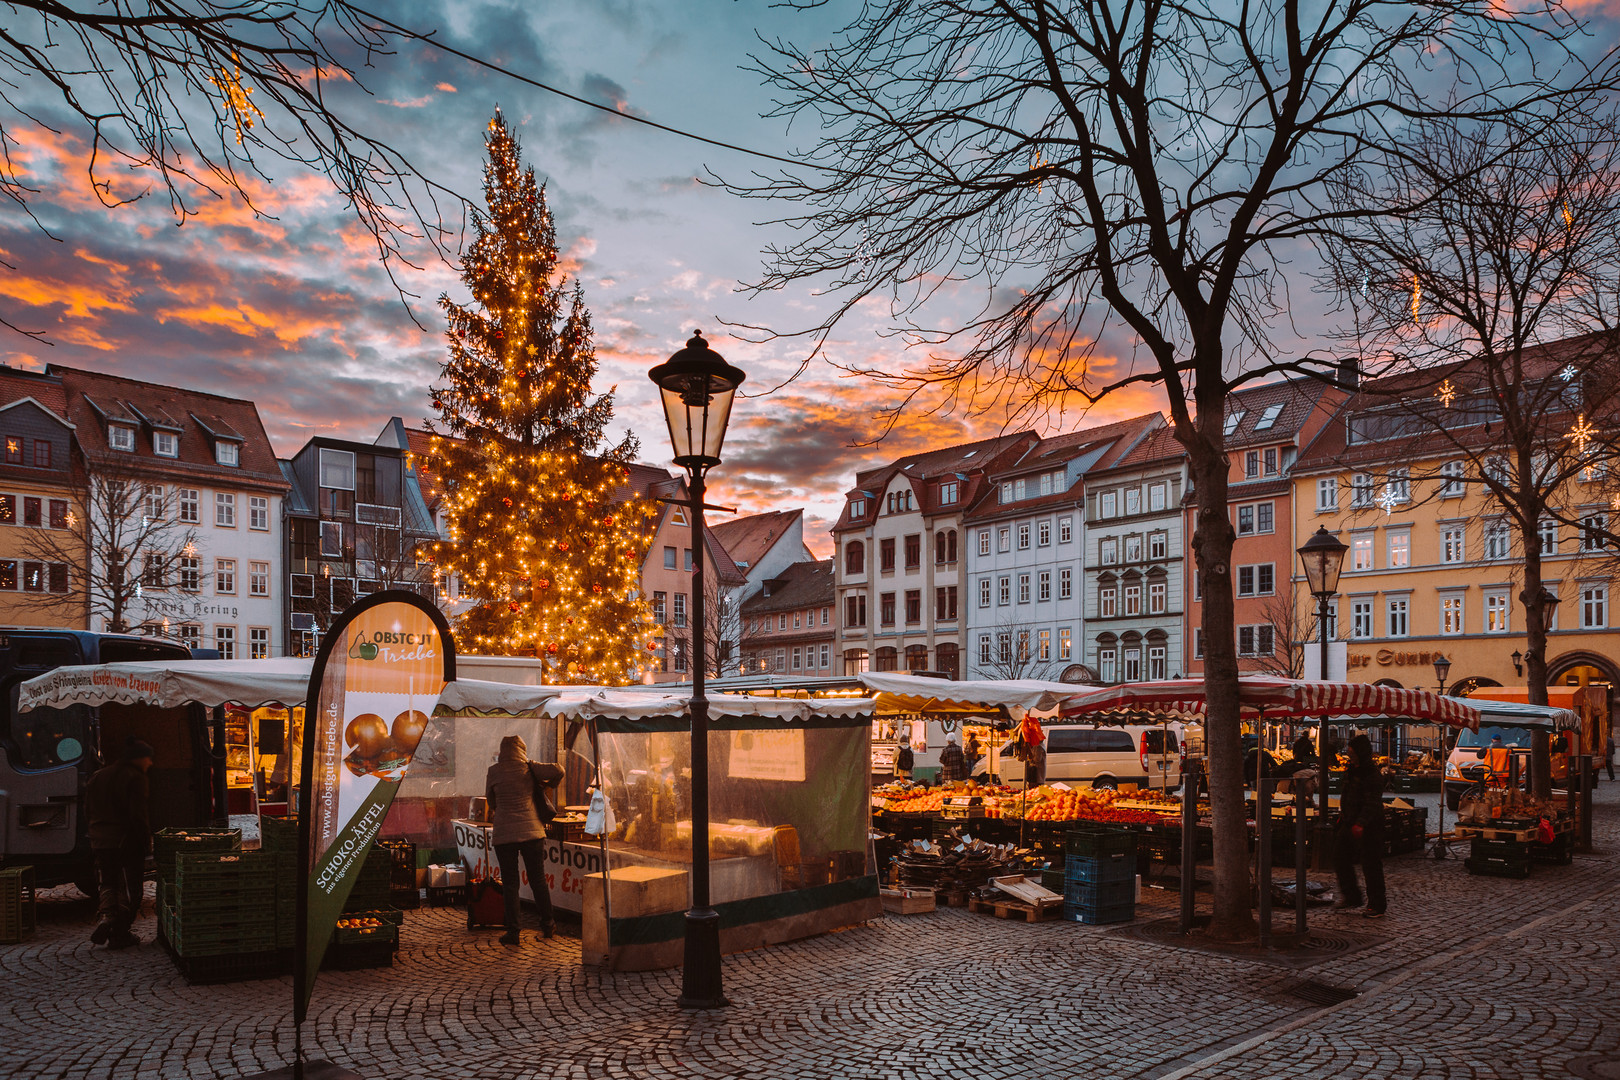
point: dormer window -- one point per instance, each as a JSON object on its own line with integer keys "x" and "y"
{"x": 857, "y": 508}
{"x": 165, "y": 444}
{"x": 121, "y": 437}
{"x": 228, "y": 453}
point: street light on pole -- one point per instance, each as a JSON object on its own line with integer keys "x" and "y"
{"x": 697, "y": 388}
{"x": 1323, "y": 557}
{"x": 1442, "y": 668}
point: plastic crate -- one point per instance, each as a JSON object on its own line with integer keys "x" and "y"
{"x": 1080, "y": 895}
{"x": 233, "y": 967}
{"x": 1052, "y": 880}
{"x": 387, "y": 914}
{"x": 359, "y": 935}
{"x": 1497, "y": 868}
{"x": 1100, "y": 842}
{"x": 169, "y": 843}
{"x": 18, "y": 917}
{"x": 1100, "y": 916}
{"x": 1100, "y": 869}
{"x": 225, "y": 870}
{"x": 358, "y": 957}
{"x": 189, "y": 943}
{"x": 278, "y": 834}
{"x": 1560, "y": 851}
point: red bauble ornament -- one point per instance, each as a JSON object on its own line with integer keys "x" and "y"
{"x": 500, "y": 335}
{"x": 552, "y": 649}
{"x": 514, "y": 605}
{"x": 562, "y": 545}
{"x": 544, "y": 583}
{"x": 507, "y": 502}
{"x": 596, "y": 588}
{"x": 607, "y": 521}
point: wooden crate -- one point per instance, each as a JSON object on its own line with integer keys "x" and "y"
{"x": 1014, "y": 909}
{"x": 907, "y": 901}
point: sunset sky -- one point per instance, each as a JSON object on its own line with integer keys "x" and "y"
{"x": 293, "y": 311}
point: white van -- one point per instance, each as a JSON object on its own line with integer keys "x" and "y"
{"x": 1105, "y": 757}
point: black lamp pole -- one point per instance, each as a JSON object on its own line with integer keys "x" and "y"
{"x": 697, "y": 387}
{"x": 1322, "y": 557}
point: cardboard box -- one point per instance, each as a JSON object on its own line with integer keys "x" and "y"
{"x": 907, "y": 901}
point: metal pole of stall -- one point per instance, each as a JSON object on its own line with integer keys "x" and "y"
{"x": 1190, "y": 783}
{"x": 1301, "y": 843}
{"x": 222, "y": 806}
{"x": 1262, "y": 823}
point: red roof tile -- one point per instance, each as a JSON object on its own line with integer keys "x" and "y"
{"x": 747, "y": 539}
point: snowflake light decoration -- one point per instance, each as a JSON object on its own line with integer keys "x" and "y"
{"x": 1417, "y": 299}
{"x": 1581, "y": 434}
{"x": 1568, "y": 373}
{"x": 1388, "y": 500}
{"x": 1614, "y": 503}
{"x": 1040, "y": 163}
{"x": 1447, "y": 393}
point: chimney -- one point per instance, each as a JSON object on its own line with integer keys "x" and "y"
{"x": 1350, "y": 373}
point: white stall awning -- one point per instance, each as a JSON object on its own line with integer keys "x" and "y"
{"x": 171, "y": 683}
{"x": 899, "y": 692}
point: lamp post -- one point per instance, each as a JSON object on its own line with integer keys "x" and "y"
{"x": 1442, "y": 668}
{"x": 1323, "y": 557}
{"x": 697, "y": 387}
{"x": 1518, "y": 663}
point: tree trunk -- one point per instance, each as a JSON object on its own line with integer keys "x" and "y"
{"x": 1223, "y": 738}
{"x": 1535, "y": 664}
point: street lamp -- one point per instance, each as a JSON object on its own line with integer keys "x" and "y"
{"x": 1323, "y": 557}
{"x": 1442, "y": 668}
{"x": 1549, "y": 608}
{"x": 1518, "y": 663}
{"x": 697, "y": 387}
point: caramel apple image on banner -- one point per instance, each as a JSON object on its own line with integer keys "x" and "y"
{"x": 380, "y": 750}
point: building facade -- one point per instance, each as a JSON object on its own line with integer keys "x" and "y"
{"x": 900, "y": 571}
{"x": 40, "y": 492}
{"x": 788, "y": 624}
{"x": 1266, "y": 428}
{"x": 205, "y": 518}
{"x": 1024, "y": 543}
{"x": 1135, "y": 563}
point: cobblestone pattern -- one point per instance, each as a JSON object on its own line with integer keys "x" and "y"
{"x": 1477, "y": 977}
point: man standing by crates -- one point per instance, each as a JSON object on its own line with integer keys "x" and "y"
{"x": 116, "y": 807}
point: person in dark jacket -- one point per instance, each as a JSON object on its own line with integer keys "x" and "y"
{"x": 952, "y": 762}
{"x": 1360, "y": 832}
{"x": 116, "y": 809}
{"x": 518, "y": 829}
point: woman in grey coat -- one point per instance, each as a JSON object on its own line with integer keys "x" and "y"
{"x": 518, "y": 829}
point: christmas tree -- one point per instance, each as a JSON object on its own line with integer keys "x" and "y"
{"x": 541, "y": 530}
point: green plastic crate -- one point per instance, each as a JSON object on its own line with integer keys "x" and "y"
{"x": 18, "y": 918}
{"x": 169, "y": 843}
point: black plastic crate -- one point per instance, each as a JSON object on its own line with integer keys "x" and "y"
{"x": 359, "y": 956}
{"x": 1080, "y": 895}
{"x": 1497, "y": 868}
{"x": 1100, "y": 842}
{"x": 233, "y": 967}
{"x": 1100, "y": 869}
{"x": 278, "y": 834}
{"x": 1100, "y": 916}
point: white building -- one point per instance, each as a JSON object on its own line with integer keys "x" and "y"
{"x": 1135, "y": 563}
{"x": 1025, "y": 544}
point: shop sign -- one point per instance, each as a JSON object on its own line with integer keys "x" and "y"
{"x": 566, "y": 864}
{"x": 1391, "y": 658}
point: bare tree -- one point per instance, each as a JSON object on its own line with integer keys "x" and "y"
{"x": 196, "y": 98}
{"x": 1293, "y": 629}
{"x": 126, "y": 542}
{"x": 1124, "y": 179}
{"x": 1016, "y": 653}
{"x": 1489, "y": 308}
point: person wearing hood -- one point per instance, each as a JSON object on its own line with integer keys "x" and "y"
{"x": 518, "y": 829}
{"x": 115, "y": 806}
{"x": 1360, "y": 832}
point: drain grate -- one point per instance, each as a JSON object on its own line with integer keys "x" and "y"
{"x": 1319, "y": 993}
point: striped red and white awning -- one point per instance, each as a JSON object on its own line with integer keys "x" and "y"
{"x": 1277, "y": 699}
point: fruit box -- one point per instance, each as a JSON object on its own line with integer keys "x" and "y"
{"x": 907, "y": 901}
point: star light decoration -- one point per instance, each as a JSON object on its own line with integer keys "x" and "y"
{"x": 238, "y": 98}
{"x": 1581, "y": 434}
{"x": 1447, "y": 393}
{"x": 1568, "y": 373}
{"x": 1417, "y": 299}
{"x": 1388, "y": 500}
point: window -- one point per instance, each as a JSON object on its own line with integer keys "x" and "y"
{"x": 945, "y": 603}
{"x": 1108, "y": 551}
{"x": 1451, "y": 480}
{"x": 258, "y": 512}
{"x": 1043, "y": 645}
{"x": 1256, "y": 640}
{"x": 913, "y": 606}
{"x": 1496, "y": 469}
{"x": 1023, "y": 588}
{"x": 225, "y": 642}
{"x": 1004, "y": 647}
{"x": 121, "y": 437}
{"x": 1158, "y": 545}
{"x": 1361, "y": 619}
{"x": 259, "y": 578}
{"x": 1595, "y": 606}
{"x": 1133, "y": 549}
{"x": 1023, "y": 536}
{"x": 258, "y": 642}
{"x": 669, "y": 558}
{"x": 1107, "y": 602}
{"x": 8, "y": 509}
{"x": 1105, "y": 664}
{"x": 1157, "y": 593}
{"x": 225, "y": 576}
{"x": 14, "y": 450}
{"x": 1019, "y": 491}
{"x": 913, "y": 551}
{"x": 337, "y": 469}
{"x": 190, "y": 635}
{"x": 1198, "y": 643}
{"x": 33, "y": 577}
{"x": 1133, "y": 599}
{"x": 1245, "y": 521}
{"x": 857, "y": 508}
{"x": 1043, "y": 534}
{"x": 984, "y": 592}
{"x": 227, "y": 453}
{"x": 798, "y": 658}
{"x": 795, "y": 620}
{"x": 1451, "y": 614}
{"x": 1327, "y": 494}
{"x": 1065, "y": 530}
{"x": 855, "y": 610}
{"x": 678, "y": 609}
{"x": 1257, "y": 580}
{"x": 687, "y": 552}
{"x": 1400, "y": 549}
{"x": 225, "y": 509}
{"x": 1004, "y": 590}
{"x": 984, "y": 650}
{"x": 1496, "y": 613}
{"x": 42, "y": 454}
{"x": 1156, "y": 497}
{"x": 854, "y": 557}
{"x": 1395, "y": 612}
{"x": 1361, "y": 489}
{"x": 984, "y": 541}
{"x": 945, "y": 547}
{"x": 1496, "y": 540}
{"x": 154, "y": 508}
{"x": 1131, "y": 669}
{"x": 1006, "y": 494}
{"x": 826, "y": 615}
{"x": 31, "y": 512}
{"x": 1269, "y": 417}
{"x": 1065, "y": 644}
{"x": 1400, "y": 485}
{"x": 1065, "y": 583}
{"x": 886, "y": 555}
{"x": 1271, "y": 461}
{"x": 165, "y": 444}
{"x": 1251, "y": 464}
{"x": 152, "y": 575}
{"x": 1361, "y": 553}
{"x": 1451, "y": 544}
{"x": 332, "y": 539}
{"x": 949, "y": 493}
{"x": 190, "y": 505}
{"x": 1043, "y": 585}
{"x": 1133, "y": 500}
{"x": 190, "y": 573}
{"x": 1592, "y": 528}
{"x": 1547, "y": 534}
{"x": 58, "y": 513}
{"x": 680, "y": 654}
{"x": 1233, "y": 419}
{"x": 826, "y": 655}
{"x": 1107, "y": 504}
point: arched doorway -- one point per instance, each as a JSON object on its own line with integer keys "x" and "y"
{"x": 1465, "y": 686}
{"x": 1584, "y": 668}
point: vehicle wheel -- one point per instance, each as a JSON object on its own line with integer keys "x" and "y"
{"x": 1105, "y": 783}
{"x": 1453, "y": 799}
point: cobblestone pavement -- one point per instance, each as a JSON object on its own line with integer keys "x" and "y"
{"x": 1468, "y": 977}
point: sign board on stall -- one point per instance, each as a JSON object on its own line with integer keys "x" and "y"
{"x": 768, "y": 755}
{"x": 566, "y": 864}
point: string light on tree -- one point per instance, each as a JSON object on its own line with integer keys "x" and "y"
{"x": 1417, "y": 299}
{"x": 540, "y": 528}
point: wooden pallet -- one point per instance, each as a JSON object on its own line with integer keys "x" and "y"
{"x": 1012, "y": 909}
{"x": 1485, "y": 832}
{"x": 956, "y": 896}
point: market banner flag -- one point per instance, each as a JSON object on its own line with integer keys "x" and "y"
{"x": 375, "y": 682}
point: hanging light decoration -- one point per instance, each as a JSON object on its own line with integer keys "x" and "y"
{"x": 1447, "y": 393}
{"x": 1417, "y": 299}
{"x": 1581, "y": 434}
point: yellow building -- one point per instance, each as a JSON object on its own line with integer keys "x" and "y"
{"x": 1433, "y": 567}
{"x": 42, "y": 556}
